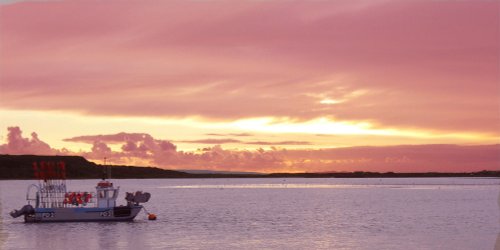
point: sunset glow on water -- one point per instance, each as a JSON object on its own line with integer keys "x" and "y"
{"x": 400, "y": 213}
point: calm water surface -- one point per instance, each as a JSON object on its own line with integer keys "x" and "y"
{"x": 296, "y": 213}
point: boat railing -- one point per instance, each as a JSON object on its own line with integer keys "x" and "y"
{"x": 36, "y": 197}
{"x": 68, "y": 199}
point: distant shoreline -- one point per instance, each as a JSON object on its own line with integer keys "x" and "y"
{"x": 19, "y": 167}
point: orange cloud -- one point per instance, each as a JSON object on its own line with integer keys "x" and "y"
{"x": 212, "y": 141}
{"x": 230, "y": 134}
{"x": 146, "y": 150}
{"x": 114, "y": 138}
{"x": 261, "y": 143}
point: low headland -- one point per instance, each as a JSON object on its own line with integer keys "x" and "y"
{"x": 20, "y": 167}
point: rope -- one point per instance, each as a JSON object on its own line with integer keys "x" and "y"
{"x": 145, "y": 210}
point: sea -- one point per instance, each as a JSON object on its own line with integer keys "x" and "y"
{"x": 279, "y": 213}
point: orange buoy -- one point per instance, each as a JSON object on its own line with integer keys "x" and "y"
{"x": 151, "y": 216}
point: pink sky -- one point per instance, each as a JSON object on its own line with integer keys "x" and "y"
{"x": 389, "y": 72}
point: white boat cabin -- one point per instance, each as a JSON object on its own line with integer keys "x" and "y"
{"x": 106, "y": 194}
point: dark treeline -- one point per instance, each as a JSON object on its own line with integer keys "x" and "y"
{"x": 18, "y": 167}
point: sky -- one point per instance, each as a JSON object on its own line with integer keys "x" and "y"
{"x": 266, "y": 86}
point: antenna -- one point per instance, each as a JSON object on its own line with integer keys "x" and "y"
{"x": 104, "y": 170}
{"x": 108, "y": 169}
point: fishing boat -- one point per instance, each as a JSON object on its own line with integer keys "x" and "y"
{"x": 50, "y": 201}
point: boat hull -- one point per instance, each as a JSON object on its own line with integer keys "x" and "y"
{"x": 83, "y": 214}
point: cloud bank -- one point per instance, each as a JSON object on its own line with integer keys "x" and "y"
{"x": 17, "y": 144}
{"x": 143, "y": 149}
{"x": 430, "y": 65}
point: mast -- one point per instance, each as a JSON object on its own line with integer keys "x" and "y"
{"x": 108, "y": 169}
